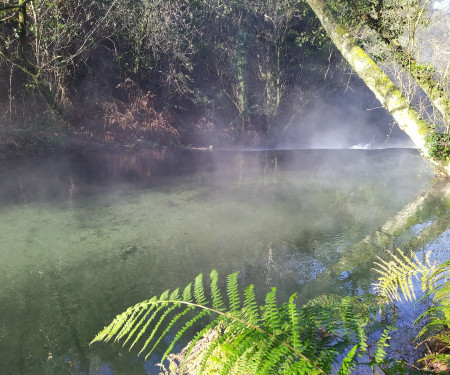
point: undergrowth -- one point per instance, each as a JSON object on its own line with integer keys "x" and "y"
{"x": 38, "y": 134}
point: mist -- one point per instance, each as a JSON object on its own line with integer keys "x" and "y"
{"x": 345, "y": 117}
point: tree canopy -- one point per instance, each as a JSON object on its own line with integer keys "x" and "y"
{"x": 210, "y": 69}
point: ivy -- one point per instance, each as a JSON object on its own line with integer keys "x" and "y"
{"x": 438, "y": 145}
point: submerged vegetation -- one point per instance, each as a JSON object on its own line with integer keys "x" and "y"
{"x": 329, "y": 333}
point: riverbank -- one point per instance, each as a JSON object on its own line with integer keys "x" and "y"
{"x": 19, "y": 143}
{"x": 16, "y": 143}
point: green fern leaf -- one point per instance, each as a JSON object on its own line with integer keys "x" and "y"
{"x": 136, "y": 323}
{"x": 380, "y": 353}
{"x": 233, "y": 292}
{"x": 199, "y": 334}
{"x": 217, "y": 302}
{"x": 348, "y": 364}
{"x": 300, "y": 367}
{"x": 398, "y": 274}
{"x": 293, "y": 322}
{"x": 179, "y": 333}
{"x": 270, "y": 313}
{"x": 250, "y": 310}
{"x": 146, "y": 325}
{"x": 216, "y": 346}
{"x": 279, "y": 339}
{"x": 274, "y": 356}
{"x": 153, "y": 332}
{"x": 199, "y": 290}
{"x": 187, "y": 294}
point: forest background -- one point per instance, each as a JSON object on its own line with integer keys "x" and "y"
{"x": 194, "y": 72}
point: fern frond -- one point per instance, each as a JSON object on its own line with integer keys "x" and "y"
{"x": 140, "y": 319}
{"x": 273, "y": 358}
{"x": 380, "y": 353}
{"x": 199, "y": 290}
{"x": 217, "y": 302}
{"x": 129, "y": 323}
{"x": 157, "y": 325}
{"x": 187, "y": 294}
{"x": 300, "y": 367}
{"x": 179, "y": 333}
{"x": 435, "y": 281}
{"x": 398, "y": 274}
{"x": 277, "y": 340}
{"x": 248, "y": 361}
{"x": 348, "y": 364}
{"x": 150, "y": 319}
{"x": 199, "y": 334}
{"x": 216, "y": 348}
{"x": 250, "y": 310}
{"x": 240, "y": 342}
{"x": 293, "y": 322}
{"x": 270, "y": 313}
{"x": 233, "y": 292}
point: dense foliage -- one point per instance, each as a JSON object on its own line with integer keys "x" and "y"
{"x": 397, "y": 279}
{"x": 208, "y": 71}
{"x": 210, "y": 65}
{"x": 439, "y": 145}
{"x": 328, "y": 334}
{"x": 251, "y": 338}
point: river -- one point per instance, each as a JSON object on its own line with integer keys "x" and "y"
{"x": 85, "y": 235}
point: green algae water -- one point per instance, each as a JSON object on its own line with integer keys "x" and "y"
{"x": 83, "y": 236}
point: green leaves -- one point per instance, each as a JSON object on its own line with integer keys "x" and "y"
{"x": 438, "y": 144}
{"x": 398, "y": 274}
{"x": 246, "y": 337}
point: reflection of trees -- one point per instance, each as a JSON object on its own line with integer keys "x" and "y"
{"x": 416, "y": 225}
{"x": 336, "y": 259}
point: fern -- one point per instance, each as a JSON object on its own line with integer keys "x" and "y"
{"x": 245, "y": 337}
{"x": 380, "y": 353}
{"x": 348, "y": 362}
{"x": 398, "y": 273}
{"x": 435, "y": 281}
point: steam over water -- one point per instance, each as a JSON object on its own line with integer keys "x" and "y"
{"x": 83, "y": 237}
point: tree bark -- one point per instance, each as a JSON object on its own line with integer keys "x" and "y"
{"x": 22, "y": 20}
{"x": 389, "y": 95}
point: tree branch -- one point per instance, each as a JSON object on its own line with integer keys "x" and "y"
{"x": 5, "y": 6}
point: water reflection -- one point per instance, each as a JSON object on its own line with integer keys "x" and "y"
{"x": 87, "y": 235}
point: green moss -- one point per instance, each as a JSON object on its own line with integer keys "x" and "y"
{"x": 424, "y": 127}
{"x": 341, "y": 30}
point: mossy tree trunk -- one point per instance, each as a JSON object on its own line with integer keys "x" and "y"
{"x": 423, "y": 74}
{"x": 389, "y": 95}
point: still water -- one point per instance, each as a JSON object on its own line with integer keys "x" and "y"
{"x": 83, "y": 236}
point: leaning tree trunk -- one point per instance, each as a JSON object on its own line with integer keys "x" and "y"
{"x": 378, "y": 82}
{"x": 436, "y": 92}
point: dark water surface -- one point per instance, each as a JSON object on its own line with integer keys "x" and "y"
{"x": 86, "y": 235}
